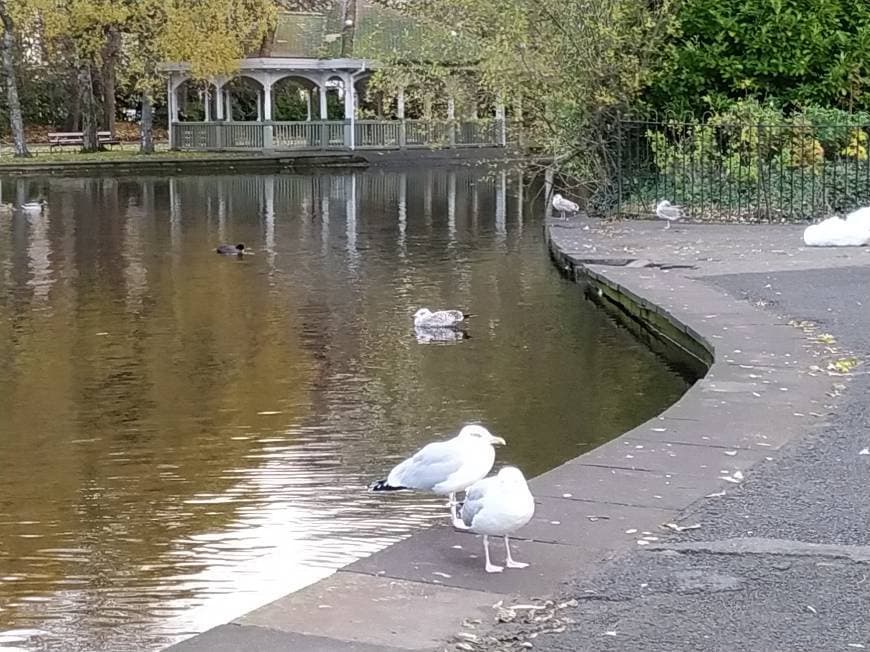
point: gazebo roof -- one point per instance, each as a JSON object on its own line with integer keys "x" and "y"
{"x": 380, "y": 32}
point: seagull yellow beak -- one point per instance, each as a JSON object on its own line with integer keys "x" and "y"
{"x": 498, "y": 440}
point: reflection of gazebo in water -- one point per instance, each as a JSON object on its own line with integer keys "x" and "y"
{"x": 305, "y": 89}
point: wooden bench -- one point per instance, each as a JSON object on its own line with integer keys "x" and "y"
{"x": 77, "y": 139}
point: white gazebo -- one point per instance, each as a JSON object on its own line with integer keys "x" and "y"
{"x": 306, "y": 52}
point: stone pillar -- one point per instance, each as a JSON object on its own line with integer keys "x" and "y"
{"x": 259, "y": 106}
{"x": 172, "y": 110}
{"x": 228, "y": 99}
{"x": 206, "y": 103}
{"x": 307, "y": 105}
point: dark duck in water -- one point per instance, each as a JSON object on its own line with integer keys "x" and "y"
{"x": 230, "y": 250}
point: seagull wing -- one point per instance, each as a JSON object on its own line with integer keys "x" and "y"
{"x": 431, "y": 465}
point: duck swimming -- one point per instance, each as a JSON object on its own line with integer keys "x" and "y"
{"x": 230, "y": 250}
{"x": 34, "y": 206}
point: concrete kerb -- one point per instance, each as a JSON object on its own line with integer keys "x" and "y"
{"x": 756, "y": 395}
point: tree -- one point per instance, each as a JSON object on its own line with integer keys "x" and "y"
{"x": 572, "y": 65}
{"x": 794, "y": 52}
{"x": 7, "y": 44}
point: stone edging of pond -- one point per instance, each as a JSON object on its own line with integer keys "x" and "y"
{"x": 229, "y": 162}
{"x": 756, "y": 396}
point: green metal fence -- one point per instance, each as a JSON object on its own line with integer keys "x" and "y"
{"x": 753, "y": 172}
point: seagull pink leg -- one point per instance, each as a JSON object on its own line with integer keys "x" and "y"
{"x": 490, "y": 567}
{"x": 509, "y": 561}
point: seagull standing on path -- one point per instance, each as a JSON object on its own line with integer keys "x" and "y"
{"x": 667, "y": 211}
{"x": 498, "y": 506}
{"x": 426, "y": 319}
{"x": 564, "y": 205}
{"x": 446, "y": 467}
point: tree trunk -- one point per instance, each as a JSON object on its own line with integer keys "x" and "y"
{"x": 88, "y": 107}
{"x": 16, "y": 120}
{"x": 348, "y": 27}
{"x": 110, "y": 61}
{"x": 268, "y": 44}
{"x": 146, "y": 128}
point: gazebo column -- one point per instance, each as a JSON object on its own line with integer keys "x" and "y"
{"x": 219, "y": 99}
{"x": 321, "y": 95}
{"x": 308, "y": 105}
{"x": 267, "y": 100}
{"x": 349, "y": 105}
{"x": 206, "y": 104}
{"x": 259, "y": 106}
{"x": 451, "y": 116}
{"x": 501, "y": 127}
{"x": 228, "y": 100}
{"x": 400, "y": 114}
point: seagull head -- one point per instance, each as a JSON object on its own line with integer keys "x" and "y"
{"x": 422, "y": 313}
{"x": 511, "y": 475}
{"x": 475, "y": 431}
{"x": 664, "y": 203}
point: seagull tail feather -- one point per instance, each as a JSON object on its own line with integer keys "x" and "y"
{"x": 382, "y": 485}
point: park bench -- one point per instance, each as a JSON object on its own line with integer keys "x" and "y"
{"x": 77, "y": 139}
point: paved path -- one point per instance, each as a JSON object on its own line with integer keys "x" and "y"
{"x": 782, "y": 560}
{"x": 760, "y": 427}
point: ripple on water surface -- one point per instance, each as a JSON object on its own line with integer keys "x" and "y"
{"x": 187, "y": 436}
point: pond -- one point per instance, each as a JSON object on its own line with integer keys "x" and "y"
{"x": 187, "y": 436}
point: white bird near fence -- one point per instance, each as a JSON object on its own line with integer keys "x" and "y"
{"x": 837, "y": 232}
{"x": 860, "y": 217}
{"x": 665, "y": 210}
{"x": 564, "y": 206}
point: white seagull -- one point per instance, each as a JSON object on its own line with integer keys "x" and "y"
{"x": 563, "y": 205}
{"x": 33, "y": 206}
{"x": 498, "y": 506}
{"x": 665, "y": 210}
{"x": 446, "y": 467}
{"x": 426, "y": 319}
{"x": 836, "y": 232}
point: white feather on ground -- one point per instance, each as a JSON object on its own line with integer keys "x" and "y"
{"x": 563, "y": 206}
{"x": 499, "y": 506}
{"x": 665, "y": 210}
{"x": 836, "y": 232}
{"x": 860, "y": 218}
{"x": 446, "y": 467}
{"x": 425, "y": 318}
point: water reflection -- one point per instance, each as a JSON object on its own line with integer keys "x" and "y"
{"x": 186, "y": 436}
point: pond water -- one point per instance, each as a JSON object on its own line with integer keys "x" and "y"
{"x": 186, "y": 436}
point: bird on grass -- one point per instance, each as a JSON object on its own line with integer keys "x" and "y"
{"x": 446, "y": 467}
{"x": 564, "y": 206}
{"x": 426, "y": 319}
{"x": 665, "y": 210}
{"x": 498, "y": 506}
{"x": 230, "y": 250}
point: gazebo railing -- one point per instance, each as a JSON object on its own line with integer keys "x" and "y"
{"x": 339, "y": 135}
